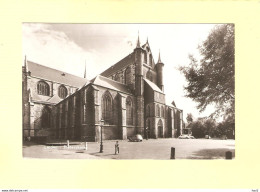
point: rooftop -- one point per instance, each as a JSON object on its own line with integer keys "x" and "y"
{"x": 55, "y": 75}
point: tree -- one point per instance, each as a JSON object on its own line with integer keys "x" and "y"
{"x": 189, "y": 118}
{"x": 211, "y": 79}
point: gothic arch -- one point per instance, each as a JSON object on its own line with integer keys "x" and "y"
{"x": 117, "y": 77}
{"x": 43, "y": 88}
{"x": 158, "y": 110}
{"x": 107, "y": 107}
{"x": 149, "y": 75}
{"x": 150, "y": 59}
{"x": 162, "y": 111}
{"x": 128, "y": 75}
{"x": 129, "y": 111}
{"x": 145, "y": 57}
{"x": 160, "y": 128}
{"x": 62, "y": 92}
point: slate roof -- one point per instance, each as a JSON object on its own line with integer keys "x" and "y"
{"x": 111, "y": 84}
{"x": 153, "y": 86}
{"x": 51, "y": 74}
{"x": 129, "y": 59}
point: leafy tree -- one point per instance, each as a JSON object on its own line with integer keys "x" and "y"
{"x": 210, "y": 126}
{"x": 189, "y": 118}
{"x": 211, "y": 79}
{"x": 198, "y": 129}
{"x": 203, "y": 127}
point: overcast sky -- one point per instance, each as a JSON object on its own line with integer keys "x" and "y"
{"x": 67, "y": 47}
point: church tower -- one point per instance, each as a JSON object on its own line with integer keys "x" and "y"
{"x": 159, "y": 68}
{"x": 139, "y": 87}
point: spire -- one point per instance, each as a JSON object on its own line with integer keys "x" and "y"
{"x": 25, "y": 64}
{"x": 138, "y": 42}
{"x": 159, "y": 58}
{"x": 147, "y": 41}
{"x": 85, "y": 70}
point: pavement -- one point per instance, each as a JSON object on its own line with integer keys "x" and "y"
{"x": 147, "y": 149}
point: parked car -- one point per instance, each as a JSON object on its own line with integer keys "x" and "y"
{"x": 207, "y": 137}
{"x": 186, "y": 137}
{"x": 136, "y": 138}
{"x": 183, "y": 137}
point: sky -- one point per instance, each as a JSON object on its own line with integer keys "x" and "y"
{"x": 68, "y": 47}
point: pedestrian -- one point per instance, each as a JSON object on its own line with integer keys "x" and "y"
{"x": 146, "y": 133}
{"x": 116, "y": 148}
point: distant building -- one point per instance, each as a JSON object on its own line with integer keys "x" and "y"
{"x": 129, "y": 96}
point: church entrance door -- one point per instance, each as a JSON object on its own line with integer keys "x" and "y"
{"x": 160, "y": 129}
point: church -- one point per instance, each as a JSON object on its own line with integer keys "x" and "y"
{"x": 124, "y": 100}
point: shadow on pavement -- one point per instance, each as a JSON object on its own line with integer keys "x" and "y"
{"x": 211, "y": 154}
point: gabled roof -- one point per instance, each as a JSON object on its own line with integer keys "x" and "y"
{"x": 51, "y": 74}
{"x": 129, "y": 59}
{"x": 111, "y": 84}
{"x": 153, "y": 86}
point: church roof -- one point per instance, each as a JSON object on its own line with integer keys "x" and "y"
{"x": 44, "y": 99}
{"x": 153, "y": 86}
{"x": 55, "y": 75}
{"x": 129, "y": 59}
{"x": 111, "y": 84}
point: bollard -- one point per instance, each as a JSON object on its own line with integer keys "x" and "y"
{"x": 68, "y": 143}
{"x": 172, "y": 153}
{"x": 86, "y": 146}
{"x": 228, "y": 155}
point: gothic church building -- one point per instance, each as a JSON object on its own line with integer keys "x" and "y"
{"x": 128, "y": 96}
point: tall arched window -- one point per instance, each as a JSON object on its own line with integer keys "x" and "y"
{"x": 128, "y": 75}
{"x": 129, "y": 111}
{"x": 149, "y": 76}
{"x": 150, "y": 59}
{"x": 162, "y": 111}
{"x": 117, "y": 78}
{"x": 158, "y": 110}
{"x": 107, "y": 108}
{"x": 62, "y": 92}
{"x": 46, "y": 118}
{"x": 43, "y": 88}
{"x": 145, "y": 57}
{"x": 148, "y": 111}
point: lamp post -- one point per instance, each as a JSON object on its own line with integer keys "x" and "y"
{"x": 101, "y": 139}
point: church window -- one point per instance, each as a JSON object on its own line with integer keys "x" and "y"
{"x": 128, "y": 75}
{"x": 62, "y": 92}
{"x": 150, "y": 59}
{"x": 43, "y": 88}
{"x": 149, "y": 76}
{"x": 162, "y": 111}
{"x": 145, "y": 57}
{"x": 129, "y": 111}
{"x": 46, "y": 118}
{"x": 117, "y": 78}
{"x": 107, "y": 108}
{"x": 84, "y": 114}
{"x": 158, "y": 110}
{"x": 122, "y": 80}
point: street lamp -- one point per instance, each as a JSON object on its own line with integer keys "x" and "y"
{"x": 101, "y": 140}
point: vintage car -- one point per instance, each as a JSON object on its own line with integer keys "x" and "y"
{"x": 136, "y": 138}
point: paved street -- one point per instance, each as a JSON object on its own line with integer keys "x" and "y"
{"x": 148, "y": 149}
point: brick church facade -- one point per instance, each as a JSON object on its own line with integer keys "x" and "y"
{"x": 128, "y": 96}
